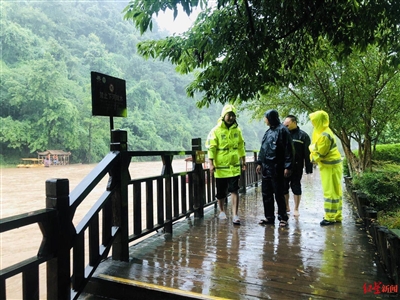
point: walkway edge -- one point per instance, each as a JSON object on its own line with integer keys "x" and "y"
{"x": 158, "y": 288}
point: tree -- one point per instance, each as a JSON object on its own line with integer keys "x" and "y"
{"x": 48, "y": 51}
{"x": 360, "y": 94}
{"x": 36, "y": 99}
{"x": 239, "y": 48}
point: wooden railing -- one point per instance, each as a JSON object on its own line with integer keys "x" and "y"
{"x": 153, "y": 203}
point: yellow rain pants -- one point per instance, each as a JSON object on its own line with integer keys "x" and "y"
{"x": 331, "y": 177}
{"x": 324, "y": 152}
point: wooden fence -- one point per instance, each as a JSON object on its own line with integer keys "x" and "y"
{"x": 156, "y": 203}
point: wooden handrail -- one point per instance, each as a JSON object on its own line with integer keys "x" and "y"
{"x": 91, "y": 180}
{"x": 171, "y": 196}
{"x": 25, "y": 219}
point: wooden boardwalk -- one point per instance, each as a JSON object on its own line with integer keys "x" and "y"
{"x": 213, "y": 259}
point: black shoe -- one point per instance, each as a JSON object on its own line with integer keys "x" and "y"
{"x": 326, "y": 223}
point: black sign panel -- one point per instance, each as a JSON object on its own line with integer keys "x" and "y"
{"x": 108, "y": 95}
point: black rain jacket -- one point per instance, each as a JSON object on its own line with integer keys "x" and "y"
{"x": 301, "y": 141}
{"x": 277, "y": 150}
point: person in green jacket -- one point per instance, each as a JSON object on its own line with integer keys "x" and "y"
{"x": 324, "y": 152}
{"x": 227, "y": 157}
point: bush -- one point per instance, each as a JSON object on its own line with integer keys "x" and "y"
{"x": 390, "y": 219}
{"x": 388, "y": 152}
{"x": 381, "y": 184}
{"x": 381, "y": 187}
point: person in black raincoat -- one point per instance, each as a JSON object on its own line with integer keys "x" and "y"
{"x": 275, "y": 162}
{"x": 301, "y": 142}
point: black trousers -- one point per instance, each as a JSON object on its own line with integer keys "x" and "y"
{"x": 273, "y": 185}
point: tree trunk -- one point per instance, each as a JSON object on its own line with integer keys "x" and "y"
{"x": 367, "y": 155}
{"x": 352, "y": 160}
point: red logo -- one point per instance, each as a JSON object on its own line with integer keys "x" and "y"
{"x": 379, "y": 288}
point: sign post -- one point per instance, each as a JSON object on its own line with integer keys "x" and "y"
{"x": 108, "y": 96}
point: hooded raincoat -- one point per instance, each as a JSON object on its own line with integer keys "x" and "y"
{"x": 276, "y": 154}
{"x": 226, "y": 146}
{"x": 324, "y": 152}
{"x": 277, "y": 149}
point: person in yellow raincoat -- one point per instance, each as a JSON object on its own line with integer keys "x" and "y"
{"x": 324, "y": 152}
{"x": 227, "y": 157}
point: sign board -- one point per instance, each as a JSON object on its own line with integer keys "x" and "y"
{"x": 200, "y": 157}
{"x": 108, "y": 95}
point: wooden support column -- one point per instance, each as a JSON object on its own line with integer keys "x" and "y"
{"x": 198, "y": 179}
{"x": 58, "y": 238}
{"x": 167, "y": 173}
{"x": 118, "y": 181}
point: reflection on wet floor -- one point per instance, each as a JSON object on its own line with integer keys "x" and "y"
{"x": 303, "y": 261}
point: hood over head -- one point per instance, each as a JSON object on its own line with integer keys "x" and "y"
{"x": 273, "y": 117}
{"x": 226, "y": 109}
{"x": 320, "y": 120}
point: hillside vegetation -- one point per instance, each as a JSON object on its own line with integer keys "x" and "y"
{"x": 49, "y": 49}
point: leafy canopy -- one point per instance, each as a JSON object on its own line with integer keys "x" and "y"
{"x": 360, "y": 93}
{"x": 239, "y": 48}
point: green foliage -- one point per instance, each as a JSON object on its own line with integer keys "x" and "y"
{"x": 294, "y": 58}
{"x": 381, "y": 187}
{"x": 360, "y": 93}
{"x": 390, "y": 219}
{"x": 391, "y": 133}
{"x": 388, "y": 153}
{"x": 240, "y": 49}
{"x": 381, "y": 184}
{"x": 48, "y": 51}
{"x": 346, "y": 171}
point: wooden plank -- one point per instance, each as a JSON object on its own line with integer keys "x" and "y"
{"x": 20, "y": 267}
{"x": 94, "y": 240}
{"x": 107, "y": 222}
{"x": 216, "y": 258}
{"x": 3, "y": 289}
{"x": 149, "y": 205}
{"x": 168, "y": 205}
{"x": 175, "y": 196}
{"x": 25, "y": 219}
{"x": 30, "y": 283}
{"x": 183, "y": 193}
{"x": 78, "y": 268}
{"x": 160, "y": 201}
{"x": 137, "y": 208}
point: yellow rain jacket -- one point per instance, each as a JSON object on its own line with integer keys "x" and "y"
{"x": 226, "y": 146}
{"x": 324, "y": 151}
{"x": 323, "y": 148}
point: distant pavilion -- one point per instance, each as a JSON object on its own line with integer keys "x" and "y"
{"x": 60, "y": 156}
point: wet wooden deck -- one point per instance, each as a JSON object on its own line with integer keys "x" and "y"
{"x": 210, "y": 259}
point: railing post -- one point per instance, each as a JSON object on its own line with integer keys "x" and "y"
{"x": 167, "y": 171}
{"x": 243, "y": 181}
{"x": 119, "y": 178}
{"x": 255, "y": 159}
{"x": 58, "y": 268}
{"x": 198, "y": 181}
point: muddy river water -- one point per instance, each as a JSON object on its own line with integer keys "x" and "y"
{"x": 23, "y": 190}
